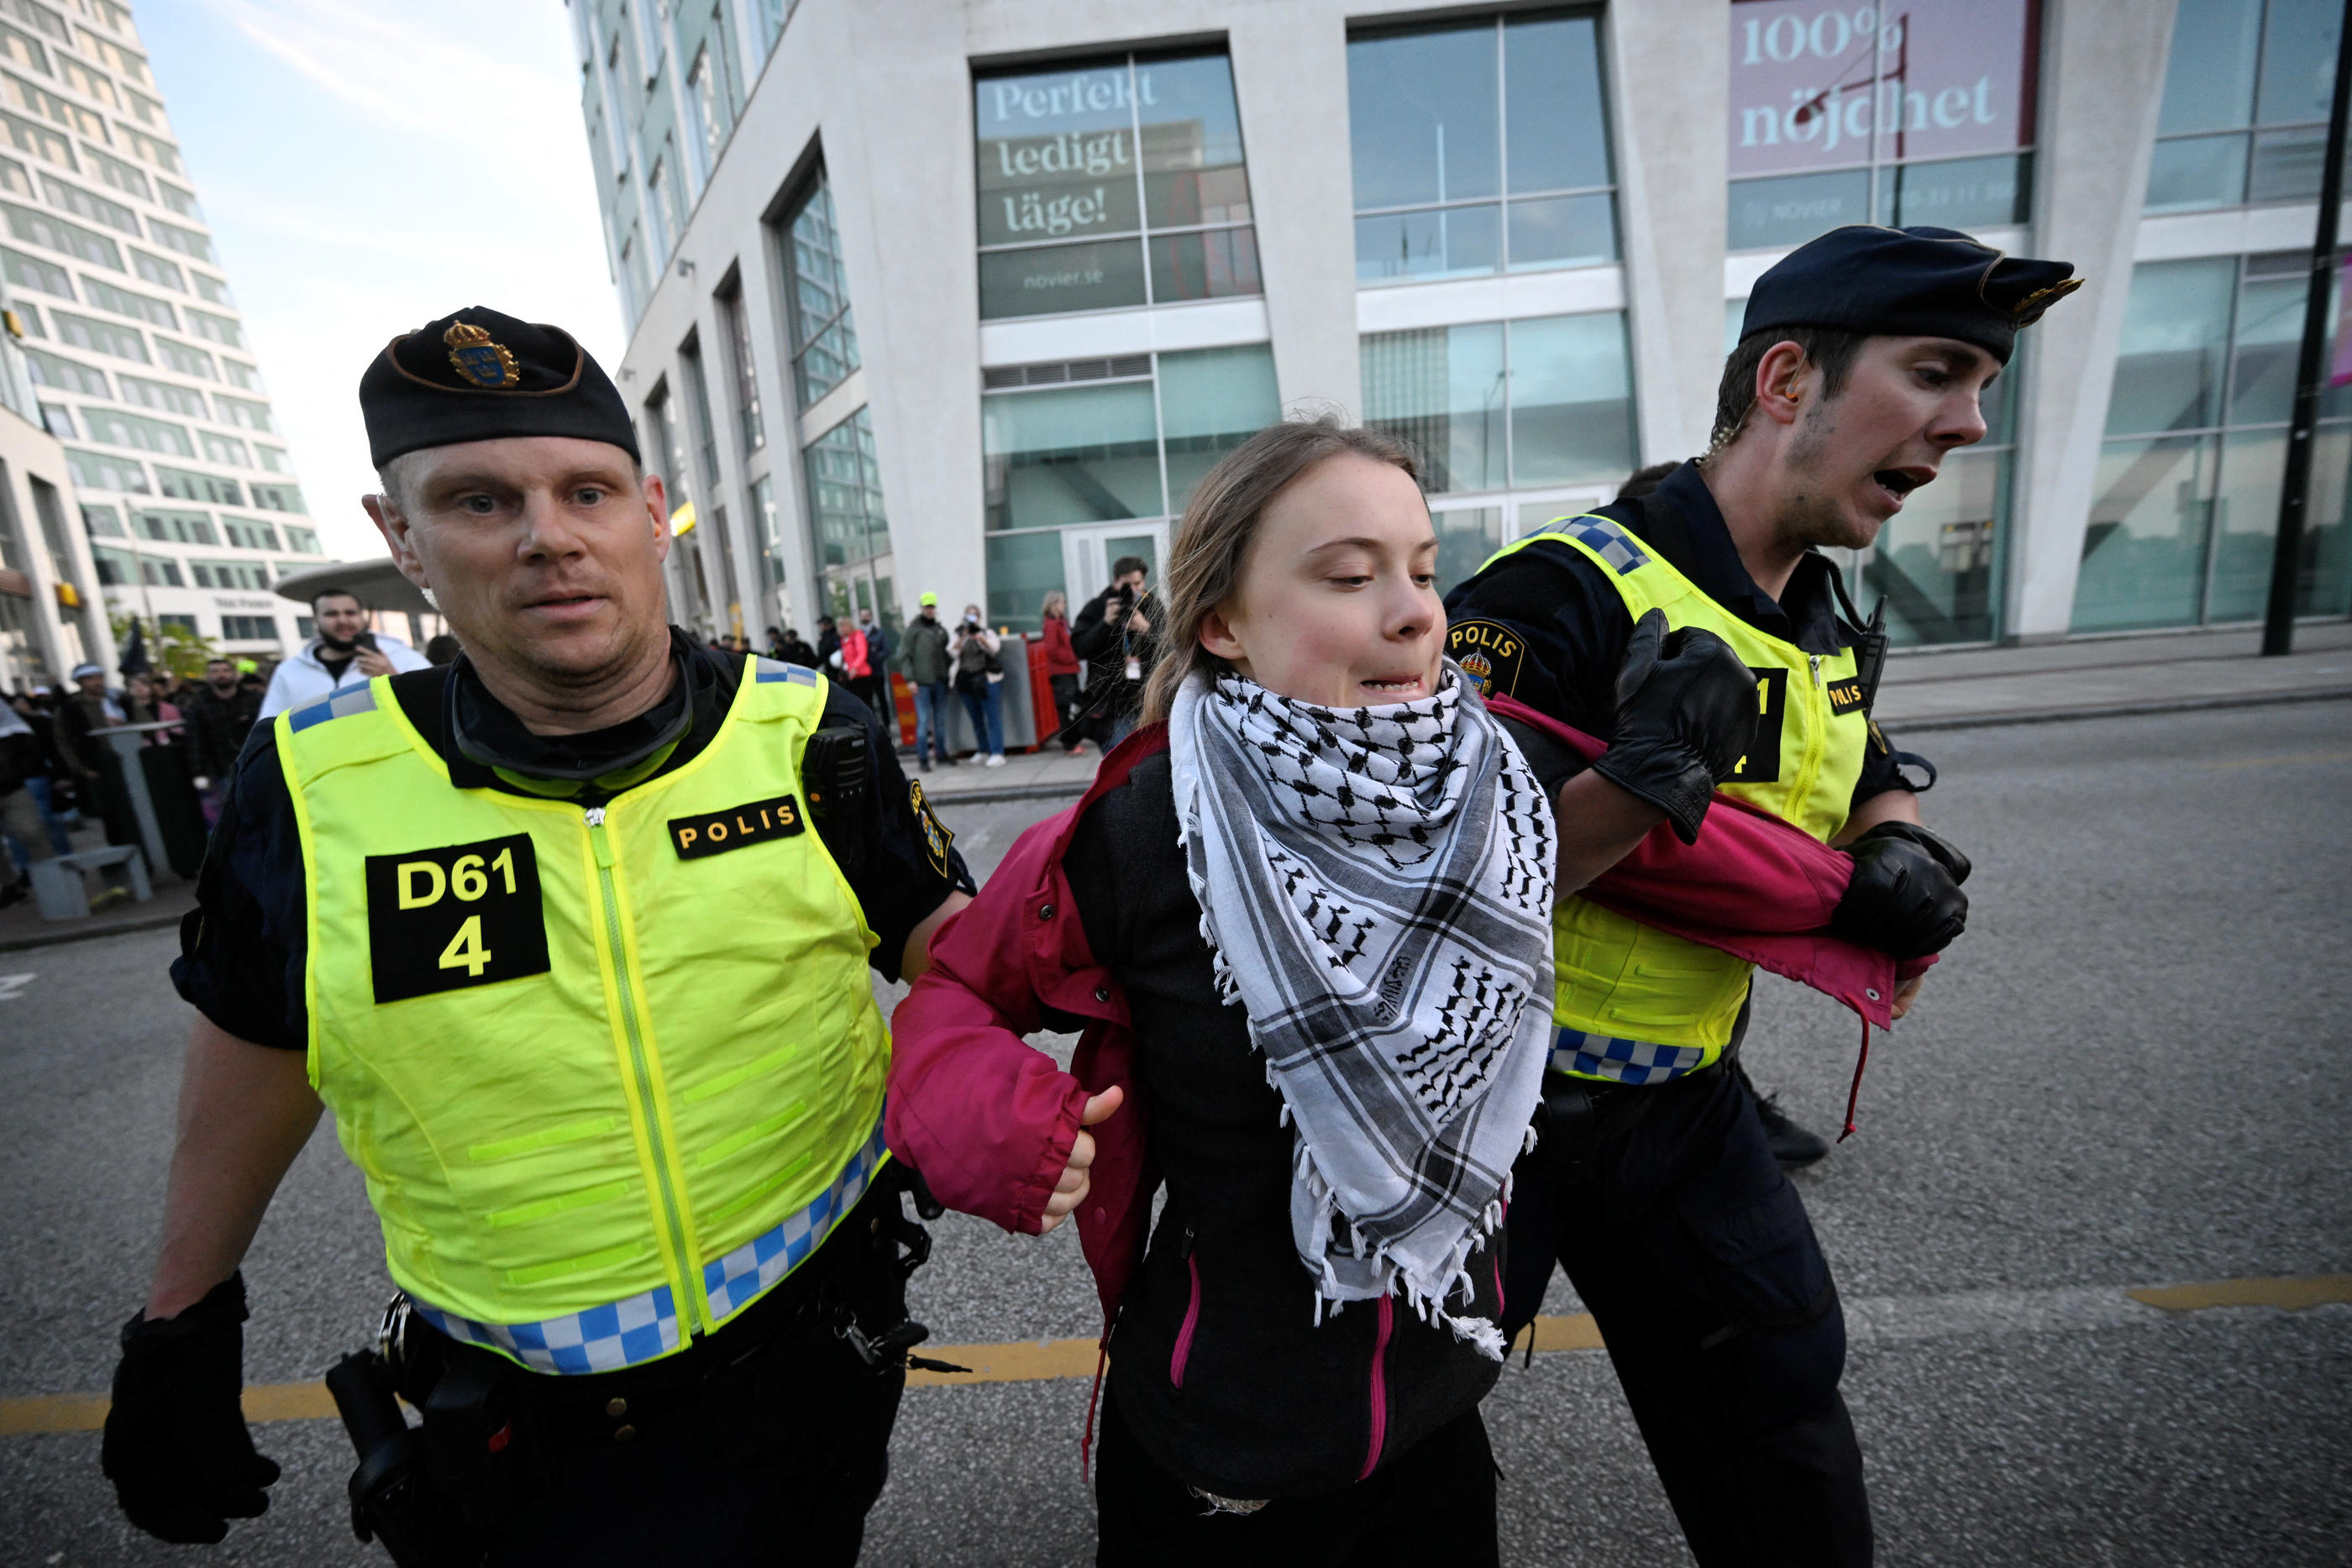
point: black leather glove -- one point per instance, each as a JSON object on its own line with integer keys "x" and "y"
{"x": 176, "y": 1447}
{"x": 1905, "y": 898}
{"x": 1685, "y": 715}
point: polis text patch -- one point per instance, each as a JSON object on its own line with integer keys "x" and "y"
{"x": 722, "y": 831}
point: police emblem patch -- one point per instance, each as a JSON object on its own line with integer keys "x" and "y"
{"x": 1489, "y": 652}
{"x": 937, "y": 836}
{"x": 481, "y": 361}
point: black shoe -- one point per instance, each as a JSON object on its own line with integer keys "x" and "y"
{"x": 1793, "y": 1145}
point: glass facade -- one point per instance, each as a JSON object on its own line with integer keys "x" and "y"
{"x": 1480, "y": 147}
{"x": 1844, "y": 114}
{"x": 846, "y": 524}
{"x": 816, "y": 297}
{"x": 2181, "y": 531}
{"x": 2244, "y": 118}
{"x": 1500, "y": 405}
{"x": 1105, "y": 442}
{"x": 1111, "y": 183}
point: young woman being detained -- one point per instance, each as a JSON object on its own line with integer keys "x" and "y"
{"x": 1304, "y": 919}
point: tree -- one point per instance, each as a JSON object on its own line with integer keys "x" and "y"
{"x": 173, "y": 647}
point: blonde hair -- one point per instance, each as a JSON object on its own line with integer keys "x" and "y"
{"x": 1205, "y": 566}
{"x": 1056, "y": 603}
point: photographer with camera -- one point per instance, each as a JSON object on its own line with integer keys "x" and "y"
{"x": 344, "y": 654}
{"x": 1115, "y": 634}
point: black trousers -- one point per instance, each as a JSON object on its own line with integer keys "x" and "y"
{"x": 1434, "y": 1503}
{"x": 766, "y": 1443}
{"x": 1692, "y": 1251}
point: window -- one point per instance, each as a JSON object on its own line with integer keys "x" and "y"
{"x": 161, "y": 153}
{"x": 1507, "y": 404}
{"x": 174, "y": 528}
{"x": 1104, "y": 441}
{"x": 1858, "y": 115}
{"x": 100, "y": 337}
{"x": 38, "y": 16}
{"x": 56, "y": 234}
{"x": 66, "y": 375}
{"x": 238, "y": 410}
{"x": 100, "y": 522}
{"x": 88, "y": 82}
{"x": 248, "y": 629}
{"x": 21, "y": 47}
{"x": 817, "y": 291}
{"x": 127, "y": 178}
{"x": 31, "y": 136}
{"x": 712, "y": 104}
{"x": 123, "y": 568}
{"x": 120, "y": 429}
{"x": 1113, "y": 183}
{"x": 846, "y": 524}
{"x": 225, "y": 449}
{"x": 660, "y": 208}
{"x": 2244, "y": 114}
{"x": 219, "y": 328}
{"x": 245, "y": 533}
{"x": 32, "y": 272}
{"x": 103, "y": 471}
{"x": 705, "y": 434}
{"x": 155, "y": 270}
{"x": 303, "y": 541}
{"x": 13, "y": 178}
{"x": 181, "y": 202}
{"x": 771, "y": 531}
{"x": 272, "y": 459}
{"x": 241, "y": 374}
{"x": 58, "y": 421}
{"x": 50, "y": 508}
{"x": 182, "y": 485}
{"x": 162, "y": 395}
{"x": 248, "y": 574}
{"x": 1480, "y": 147}
{"x": 88, "y": 205}
{"x": 32, "y": 317}
{"x": 2187, "y": 503}
{"x": 122, "y": 302}
{"x": 187, "y": 242}
{"x": 278, "y": 497}
{"x": 52, "y": 106}
{"x": 210, "y": 288}
{"x": 745, "y": 377}
{"x": 188, "y": 361}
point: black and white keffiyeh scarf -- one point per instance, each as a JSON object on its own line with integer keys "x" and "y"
{"x": 1376, "y": 887}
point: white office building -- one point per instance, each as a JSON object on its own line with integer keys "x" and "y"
{"x": 126, "y": 328}
{"x": 965, "y": 295}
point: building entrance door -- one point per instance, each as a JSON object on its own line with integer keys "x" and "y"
{"x": 1088, "y": 554}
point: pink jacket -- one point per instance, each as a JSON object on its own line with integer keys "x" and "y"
{"x": 989, "y": 1121}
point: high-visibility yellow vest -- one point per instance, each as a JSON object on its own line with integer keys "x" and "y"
{"x": 610, "y": 1073}
{"x": 1636, "y": 1004}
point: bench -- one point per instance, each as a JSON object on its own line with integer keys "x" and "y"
{"x": 63, "y": 885}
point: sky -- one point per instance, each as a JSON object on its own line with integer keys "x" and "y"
{"x": 365, "y": 168}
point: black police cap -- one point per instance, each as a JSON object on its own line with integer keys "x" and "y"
{"x": 1908, "y": 283}
{"x": 480, "y": 375}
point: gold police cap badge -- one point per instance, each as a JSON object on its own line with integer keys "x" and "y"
{"x": 481, "y": 361}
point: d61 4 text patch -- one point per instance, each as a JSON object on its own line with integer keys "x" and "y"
{"x": 464, "y": 915}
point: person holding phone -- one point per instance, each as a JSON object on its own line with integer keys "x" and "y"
{"x": 342, "y": 654}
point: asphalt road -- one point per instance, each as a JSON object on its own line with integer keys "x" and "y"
{"x": 2135, "y": 1070}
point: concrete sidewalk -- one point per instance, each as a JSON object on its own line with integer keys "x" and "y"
{"x": 1928, "y": 689}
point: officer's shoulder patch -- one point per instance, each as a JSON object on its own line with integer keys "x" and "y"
{"x": 753, "y": 823}
{"x": 1846, "y": 695}
{"x": 1489, "y": 652}
{"x": 1611, "y": 541}
{"x": 936, "y": 835}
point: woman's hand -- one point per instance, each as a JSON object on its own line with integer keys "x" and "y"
{"x": 1071, "y": 1190}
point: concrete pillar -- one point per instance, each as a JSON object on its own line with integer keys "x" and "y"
{"x": 1669, "y": 67}
{"x": 899, "y": 140}
{"x": 2103, "y": 70}
{"x": 1290, "y": 78}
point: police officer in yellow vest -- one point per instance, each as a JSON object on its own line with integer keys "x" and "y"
{"x": 572, "y": 937}
{"x": 1864, "y": 361}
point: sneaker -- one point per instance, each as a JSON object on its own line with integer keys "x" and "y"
{"x": 924, "y": 763}
{"x": 996, "y": 759}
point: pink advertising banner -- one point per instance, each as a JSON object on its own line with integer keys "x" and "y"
{"x": 1814, "y": 85}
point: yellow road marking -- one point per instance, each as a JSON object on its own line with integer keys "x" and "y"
{"x": 1038, "y": 1360}
{"x": 2294, "y": 1295}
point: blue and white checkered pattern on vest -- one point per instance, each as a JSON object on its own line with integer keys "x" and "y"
{"x": 624, "y": 1333}
{"x": 1611, "y": 543}
{"x": 337, "y": 704}
{"x": 1624, "y": 1061}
